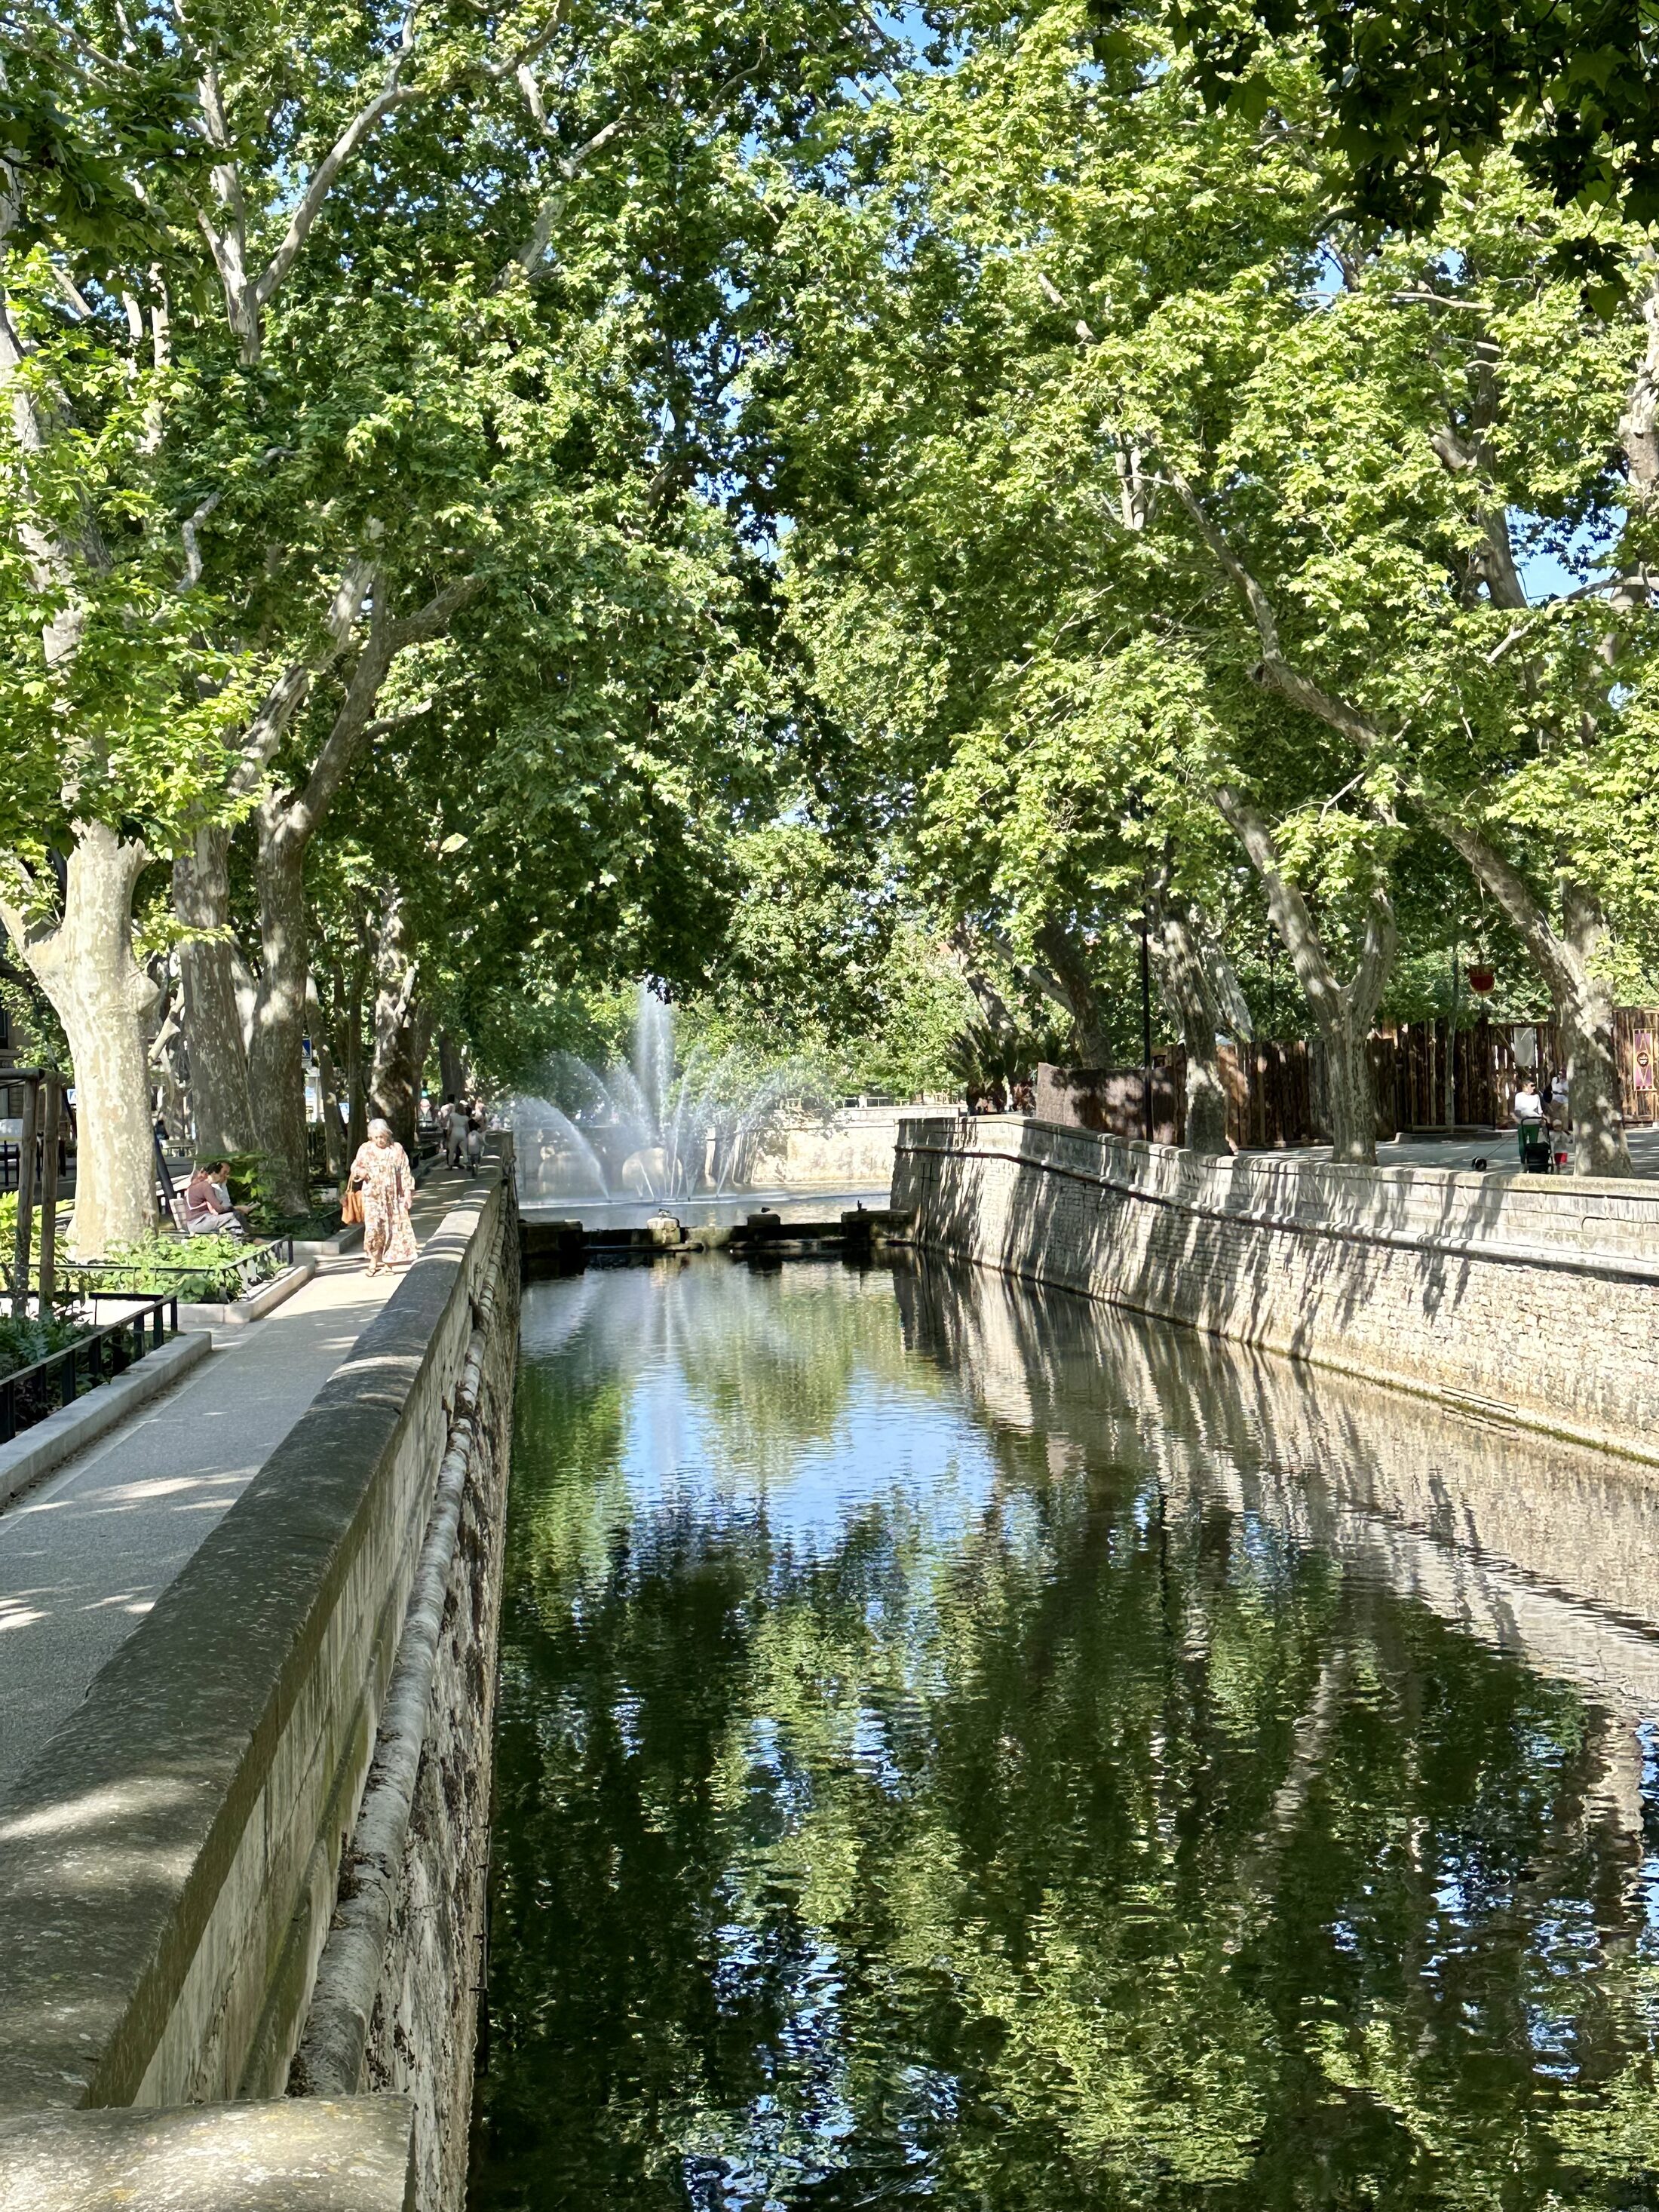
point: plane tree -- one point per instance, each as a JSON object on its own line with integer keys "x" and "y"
{"x": 280, "y": 411}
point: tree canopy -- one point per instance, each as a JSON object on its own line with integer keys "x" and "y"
{"x": 848, "y": 518}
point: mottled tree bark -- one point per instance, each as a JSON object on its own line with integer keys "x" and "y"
{"x": 1075, "y": 992}
{"x": 276, "y": 1060}
{"x": 1343, "y": 1012}
{"x": 220, "y": 1098}
{"x": 1184, "y": 978}
{"x": 1567, "y": 960}
{"x": 394, "y": 1085}
{"x": 83, "y": 962}
{"x": 452, "y": 1069}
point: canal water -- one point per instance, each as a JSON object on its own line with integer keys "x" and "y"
{"x": 961, "y": 1746}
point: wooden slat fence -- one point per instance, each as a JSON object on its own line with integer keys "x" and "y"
{"x": 1275, "y": 1090}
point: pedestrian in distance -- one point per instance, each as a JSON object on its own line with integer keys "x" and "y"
{"x": 1528, "y": 1116}
{"x": 475, "y": 1138}
{"x": 454, "y": 1131}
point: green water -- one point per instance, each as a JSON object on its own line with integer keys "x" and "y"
{"x": 959, "y": 1745}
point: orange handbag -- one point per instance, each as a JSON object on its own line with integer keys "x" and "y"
{"x": 351, "y": 1205}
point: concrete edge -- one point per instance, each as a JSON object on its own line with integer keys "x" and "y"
{"x": 62, "y": 1434}
{"x": 236, "y": 1313}
{"x": 204, "y": 1687}
{"x": 348, "y": 1239}
{"x": 1294, "y": 1159}
{"x": 339, "y": 2155}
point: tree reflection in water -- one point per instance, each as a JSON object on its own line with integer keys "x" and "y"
{"x": 959, "y": 1743}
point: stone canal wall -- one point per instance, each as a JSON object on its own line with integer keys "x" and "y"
{"x": 1535, "y": 1299}
{"x": 253, "y": 1861}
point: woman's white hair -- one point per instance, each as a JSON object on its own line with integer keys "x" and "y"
{"x": 377, "y": 1125}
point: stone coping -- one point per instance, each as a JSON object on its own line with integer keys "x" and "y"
{"x": 1586, "y": 1223}
{"x": 236, "y": 1313}
{"x": 288, "y": 2155}
{"x": 117, "y": 1839}
{"x": 48, "y": 1444}
{"x": 1294, "y": 1162}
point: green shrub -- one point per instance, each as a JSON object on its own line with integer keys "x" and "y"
{"x": 23, "y": 1342}
{"x": 198, "y": 1268}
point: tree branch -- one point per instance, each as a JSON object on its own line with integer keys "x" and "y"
{"x": 387, "y": 639}
{"x": 322, "y": 178}
{"x": 292, "y": 688}
{"x": 1273, "y": 671}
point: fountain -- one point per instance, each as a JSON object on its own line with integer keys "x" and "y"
{"x": 646, "y": 1128}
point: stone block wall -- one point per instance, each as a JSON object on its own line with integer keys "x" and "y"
{"x": 1537, "y": 1299}
{"x": 169, "y": 1863}
{"x": 422, "y": 2030}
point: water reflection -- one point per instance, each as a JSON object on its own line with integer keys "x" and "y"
{"x": 957, "y": 1743}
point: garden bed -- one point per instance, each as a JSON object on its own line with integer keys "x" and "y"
{"x": 197, "y": 1270}
{"x": 45, "y": 1363}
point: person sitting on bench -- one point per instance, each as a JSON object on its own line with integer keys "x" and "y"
{"x": 208, "y": 1209}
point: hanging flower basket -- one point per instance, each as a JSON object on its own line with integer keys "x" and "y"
{"x": 1481, "y": 979}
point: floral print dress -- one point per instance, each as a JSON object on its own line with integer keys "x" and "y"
{"x": 387, "y": 1193}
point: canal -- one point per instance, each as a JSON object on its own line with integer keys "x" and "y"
{"x": 959, "y": 1745}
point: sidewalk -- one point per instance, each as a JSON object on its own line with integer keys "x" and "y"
{"x": 1497, "y": 1148}
{"x": 87, "y": 1554}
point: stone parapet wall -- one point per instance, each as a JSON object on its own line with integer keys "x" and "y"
{"x": 1535, "y": 1298}
{"x": 169, "y": 1863}
{"x": 852, "y": 1151}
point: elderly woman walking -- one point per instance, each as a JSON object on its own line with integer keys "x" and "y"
{"x": 381, "y": 1174}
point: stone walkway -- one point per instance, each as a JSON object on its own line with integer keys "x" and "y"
{"x": 87, "y": 1552}
{"x": 1498, "y": 1149}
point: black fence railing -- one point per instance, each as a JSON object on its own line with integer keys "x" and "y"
{"x": 28, "y": 1393}
{"x": 242, "y": 1264}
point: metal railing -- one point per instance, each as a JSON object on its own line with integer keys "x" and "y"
{"x": 102, "y": 1353}
{"x": 82, "y": 1272}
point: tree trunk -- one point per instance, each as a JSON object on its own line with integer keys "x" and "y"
{"x": 1351, "y": 1094}
{"x": 993, "y": 1010}
{"x": 420, "y": 1047}
{"x": 169, "y": 1074}
{"x": 392, "y": 1085}
{"x": 85, "y": 966}
{"x": 275, "y": 1062}
{"x": 328, "y": 1088}
{"x": 221, "y": 1097}
{"x": 452, "y": 1069}
{"x": 1343, "y": 1012}
{"x": 1567, "y": 960}
{"x": 1058, "y": 948}
{"x": 356, "y": 1089}
{"x": 1183, "y": 978}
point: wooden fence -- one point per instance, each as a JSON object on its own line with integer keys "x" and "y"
{"x": 1274, "y": 1090}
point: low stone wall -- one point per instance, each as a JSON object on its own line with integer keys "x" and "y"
{"x": 170, "y": 1863}
{"x": 1535, "y": 1299}
{"x": 852, "y": 1151}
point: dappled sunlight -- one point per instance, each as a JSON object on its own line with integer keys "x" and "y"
{"x": 113, "y": 1812}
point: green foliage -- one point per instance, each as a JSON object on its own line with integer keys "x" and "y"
{"x": 1033, "y": 290}
{"x": 1411, "y": 84}
{"x": 22, "y": 1342}
{"x": 958, "y": 1770}
{"x": 195, "y": 1267}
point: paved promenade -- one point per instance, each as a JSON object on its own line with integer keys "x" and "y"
{"x": 85, "y": 1554}
{"x": 1500, "y": 1151}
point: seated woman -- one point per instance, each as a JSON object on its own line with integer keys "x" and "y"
{"x": 208, "y": 1209}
